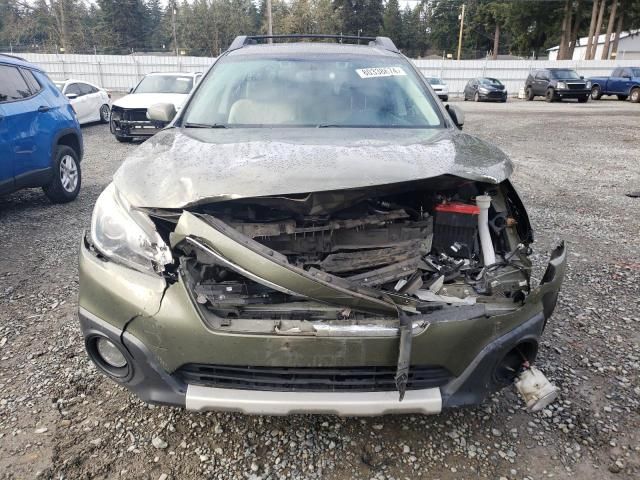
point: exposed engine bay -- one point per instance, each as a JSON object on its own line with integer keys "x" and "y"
{"x": 356, "y": 257}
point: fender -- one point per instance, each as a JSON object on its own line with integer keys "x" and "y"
{"x": 67, "y": 131}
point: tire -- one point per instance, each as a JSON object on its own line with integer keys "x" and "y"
{"x": 550, "y": 96}
{"x": 583, "y": 99}
{"x": 622, "y": 97}
{"x": 529, "y": 94}
{"x": 476, "y": 97}
{"x": 124, "y": 139}
{"x": 504, "y": 100}
{"x": 105, "y": 113}
{"x": 67, "y": 177}
{"x": 596, "y": 92}
{"x": 445, "y": 98}
{"x": 465, "y": 97}
{"x": 635, "y": 95}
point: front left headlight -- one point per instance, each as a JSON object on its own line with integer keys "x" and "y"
{"x": 127, "y": 236}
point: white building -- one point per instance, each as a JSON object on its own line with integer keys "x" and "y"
{"x": 628, "y": 47}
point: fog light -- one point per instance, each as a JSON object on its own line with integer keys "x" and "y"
{"x": 110, "y": 354}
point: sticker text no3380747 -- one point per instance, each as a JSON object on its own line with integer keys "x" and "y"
{"x": 380, "y": 72}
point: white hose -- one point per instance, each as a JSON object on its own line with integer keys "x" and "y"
{"x": 488, "y": 254}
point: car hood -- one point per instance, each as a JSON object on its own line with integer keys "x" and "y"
{"x": 178, "y": 168}
{"x": 145, "y": 100}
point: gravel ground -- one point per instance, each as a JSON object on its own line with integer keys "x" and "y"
{"x": 59, "y": 418}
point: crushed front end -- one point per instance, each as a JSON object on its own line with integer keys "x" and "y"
{"x": 408, "y": 297}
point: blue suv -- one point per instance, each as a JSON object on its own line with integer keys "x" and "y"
{"x": 40, "y": 137}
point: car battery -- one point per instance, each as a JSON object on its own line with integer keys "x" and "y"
{"x": 455, "y": 230}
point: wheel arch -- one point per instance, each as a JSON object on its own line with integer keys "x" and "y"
{"x": 70, "y": 138}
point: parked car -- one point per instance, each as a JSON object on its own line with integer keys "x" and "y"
{"x": 441, "y": 88}
{"x": 91, "y": 103}
{"x": 556, "y": 84}
{"x": 624, "y": 83}
{"x": 350, "y": 251}
{"x": 129, "y": 113}
{"x": 40, "y": 137}
{"x": 485, "y": 88}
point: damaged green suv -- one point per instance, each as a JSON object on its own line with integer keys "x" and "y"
{"x": 313, "y": 233}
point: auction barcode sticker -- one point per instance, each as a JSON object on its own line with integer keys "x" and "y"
{"x": 380, "y": 72}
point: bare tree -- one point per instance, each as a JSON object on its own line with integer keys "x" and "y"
{"x": 566, "y": 27}
{"x": 607, "y": 40}
{"x": 574, "y": 31}
{"x": 614, "y": 48}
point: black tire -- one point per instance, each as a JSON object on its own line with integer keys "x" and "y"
{"x": 476, "y": 97}
{"x": 445, "y": 98}
{"x": 596, "y": 92}
{"x": 529, "y": 94}
{"x": 635, "y": 95}
{"x": 464, "y": 95}
{"x": 124, "y": 139}
{"x": 504, "y": 100}
{"x": 105, "y": 113}
{"x": 622, "y": 97}
{"x": 550, "y": 95}
{"x": 67, "y": 177}
{"x": 584, "y": 99}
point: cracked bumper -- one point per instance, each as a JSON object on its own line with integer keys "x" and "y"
{"x": 160, "y": 330}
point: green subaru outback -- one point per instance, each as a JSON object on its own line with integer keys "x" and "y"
{"x": 313, "y": 232}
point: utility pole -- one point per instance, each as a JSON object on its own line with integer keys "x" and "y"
{"x": 269, "y": 21}
{"x": 173, "y": 21}
{"x": 461, "y": 28}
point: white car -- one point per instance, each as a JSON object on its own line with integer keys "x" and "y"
{"x": 441, "y": 88}
{"x": 129, "y": 114}
{"x": 91, "y": 103}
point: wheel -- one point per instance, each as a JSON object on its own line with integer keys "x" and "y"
{"x": 124, "y": 139}
{"x": 464, "y": 95}
{"x": 105, "y": 113}
{"x": 65, "y": 185}
{"x": 445, "y": 98}
{"x": 504, "y": 100}
{"x": 622, "y": 97}
{"x": 550, "y": 96}
{"x": 476, "y": 97}
{"x": 584, "y": 99}
{"x": 596, "y": 92}
{"x": 635, "y": 95}
{"x": 529, "y": 94}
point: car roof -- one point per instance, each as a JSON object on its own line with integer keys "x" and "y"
{"x": 174, "y": 74}
{"x": 20, "y": 62}
{"x": 314, "y": 48}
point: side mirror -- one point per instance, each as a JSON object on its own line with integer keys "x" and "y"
{"x": 581, "y": 77}
{"x": 161, "y": 112}
{"x": 71, "y": 96}
{"x": 456, "y": 115}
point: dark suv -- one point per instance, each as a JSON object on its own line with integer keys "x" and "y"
{"x": 40, "y": 138}
{"x": 556, "y": 84}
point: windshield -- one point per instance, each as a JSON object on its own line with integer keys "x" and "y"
{"x": 565, "y": 74}
{"x": 490, "y": 81}
{"x": 165, "y": 84}
{"x": 435, "y": 81}
{"x": 318, "y": 91}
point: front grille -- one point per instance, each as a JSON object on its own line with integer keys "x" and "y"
{"x": 576, "y": 86}
{"x": 135, "y": 115}
{"x": 310, "y": 379}
{"x": 496, "y": 94}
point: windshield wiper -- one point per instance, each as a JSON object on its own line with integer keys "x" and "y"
{"x": 204, "y": 125}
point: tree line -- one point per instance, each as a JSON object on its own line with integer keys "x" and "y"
{"x": 206, "y": 27}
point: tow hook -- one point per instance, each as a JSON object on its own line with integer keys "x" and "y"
{"x": 536, "y": 390}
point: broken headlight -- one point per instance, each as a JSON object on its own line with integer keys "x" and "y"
{"x": 126, "y": 235}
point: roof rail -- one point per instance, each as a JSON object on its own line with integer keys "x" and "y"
{"x": 382, "y": 42}
{"x": 13, "y": 56}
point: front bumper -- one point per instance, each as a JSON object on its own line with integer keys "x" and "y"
{"x": 571, "y": 93}
{"x": 159, "y": 330}
{"x": 133, "y": 123}
{"x": 493, "y": 96}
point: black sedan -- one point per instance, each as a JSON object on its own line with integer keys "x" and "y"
{"x": 484, "y": 88}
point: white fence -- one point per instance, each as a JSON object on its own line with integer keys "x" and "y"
{"x": 121, "y": 72}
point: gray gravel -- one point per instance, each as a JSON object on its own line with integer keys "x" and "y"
{"x": 59, "y": 418}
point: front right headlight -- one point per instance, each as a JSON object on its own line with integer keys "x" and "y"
{"x": 127, "y": 236}
{"x": 561, "y": 86}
